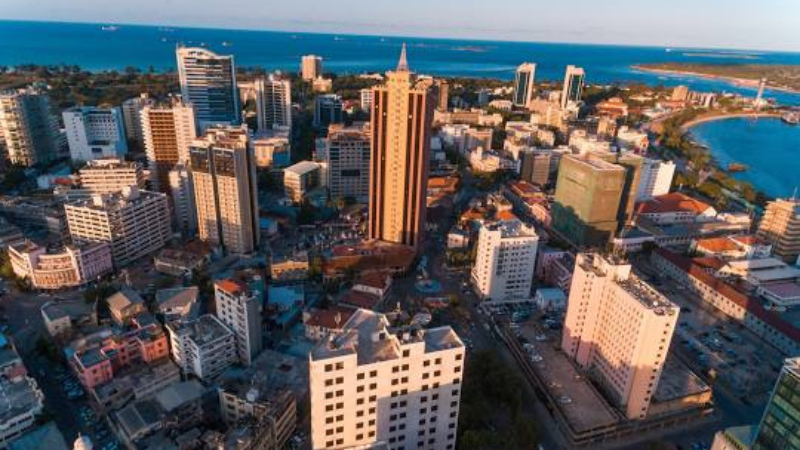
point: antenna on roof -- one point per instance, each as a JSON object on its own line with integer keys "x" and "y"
{"x": 402, "y": 64}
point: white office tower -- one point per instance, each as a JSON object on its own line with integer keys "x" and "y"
{"x": 373, "y": 386}
{"x": 132, "y": 116}
{"x": 573, "y": 86}
{"x": 182, "y": 195}
{"x": 28, "y": 128}
{"x": 239, "y": 308}
{"x": 95, "y": 133}
{"x": 168, "y": 130}
{"x": 618, "y": 328}
{"x": 523, "y": 84}
{"x": 505, "y": 261}
{"x": 273, "y": 103}
{"x": 208, "y": 83}
{"x": 311, "y": 67}
{"x": 655, "y": 179}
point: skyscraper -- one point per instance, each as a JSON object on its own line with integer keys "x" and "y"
{"x": 573, "y": 86}
{"x": 239, "y": 308}
{"x": 208, "y": 83}
{"x": 632, "y": 163}
{"x": 348, "y": 158}
{"x": 587, "y": 200}
{"x": 132, "y": 116}
{"x": 95, "y": 133}
{"x": 402, "y": 113}
{"x": 224, "y": 180}
{"x": 505, "y": 261}
{"x": 311, "y": 67}
{"x": 656, "y": 179}
{"x": 523, "y": 84}
{"x": 273, "y": 103}
{"x": 28, "y": 127}
{"x": 327, "y": 110}
{"x": 780, "y": 426}
{"x": 444, "y": 94}
{"x": 780, "y": 227}
{"x": 167, "y": 131}
{"x": 618, "y": 328}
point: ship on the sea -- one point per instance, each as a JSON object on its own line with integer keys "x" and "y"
{"x": 737, "y": 167}
{"x": 792, "y": 118}
{"x": 109, "y": 28}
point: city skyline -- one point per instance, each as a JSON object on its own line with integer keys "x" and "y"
{"x": 685, "y": 24}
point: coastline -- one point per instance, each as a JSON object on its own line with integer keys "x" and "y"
{"x": 711, "y": 118}
{"x": 740, "y": 82}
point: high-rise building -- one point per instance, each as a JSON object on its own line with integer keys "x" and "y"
{"x": 224, "y": 180}
{"x": 680, "y": 94}
{"x": 28, "y": 127}
{"x": 208, "y": 83}
{"x": 95, "y": 133}
{"x": 780, "y": 426}
{"x": 311, "y": 67}
{"x": 327, "y": 110}
{"x": 348, "y": 162}
{"x": 535, "y": 166}
{"x": 182, "y": 196}
{"x": 618, "y": 328}
{"x": 780, "y": 227}
{"x": 402, "y": 114}
{"x": 135, "y": 223}
{"x": 587, "y": 200}
{"x": 573, "y": 86}
{"x": 203, "y": 347}
{"x": 444, "y": 94}
{"x": 168, "y": 130}
{"x": 273, "y": 103}
{"x": 132, "y": 116}
{"x": 655, "y": 180}
{"x": 239, "y": 308}
{"x": 505, "y": 260}
{"x": 632, "y": 163}
{"x": 106, "y": 176}
{"x": 372, "y": 384}
{"x": 365, "y": 99}
{"x": 523, "y": 84}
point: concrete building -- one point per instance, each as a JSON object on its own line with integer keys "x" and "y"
{"x": 401, "y": 119}
{"x": 327, "y": 110}
{"x": 780, "y": 426}
{"x": 655, "y": 179}
{"x": 20, "y": 397}
{"x": 272, "y": 149}
{"x": 167, "y": 131}
{"x": 629, "y": 139}
{"x": 94, "y": 133}
{"x": 239, "y": 308}
{"x": 443, "y": 101}
{"x": 70, "y": 267}
{"x": 377, "y": 387}
{"x": 587, "y": 200}
{"x": 505, "y": 261}
{"x": 311, "y": 67}
{"x": 224, "y": 180}
{"x": 524, "y": 84}
{"x": 132, "y": 116}
{"x": 365, "y": 99}
{"x": 134, "y": 223}
{"x": 273, "y": 103}
{"x": 301, "y": 178}
{"x": 619, "y": 329}
{"x": 182, "y": 196}
{"x": 348, "y": 161}
{"x": 780, "y": 227}
{"x": 680, "y": 93}
{"x": 573, "y": 86}
{"x": 535, "y": 166}
{"x": 208, "y": 83}
{"x": 676, "y": 208}
{"x": 124, "y": 306}
{"x": 108, "y": 176}
{"x": 204, "y": 347}
{"x": 28, "y": 127}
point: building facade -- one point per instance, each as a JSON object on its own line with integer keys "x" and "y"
{"x": 167, "y": 131}
{"x": 107, "y": 176}
{"x": 239, "y": 308}
{"x": 523, "y": 84}
{"x": 780, "y": 426}
{"x": 95, "y": 133}
{"x": 208, "y": 83}
{"x": 655, "y": 179}
{"x": 301, "y": 178}
{"x": 402, "y": 114}
{"x": 28, "y": 127}
{"x": 505, "y": 261}
{"x": 311, "y": 67}
{"x": 273, "y": 103}
{"x": 327, "y": 110}
{"x": 132, "y": 116}
{"x": 204, "y": 347}
{"x": 348, "y": 161}
{"x": 780, "y": 227}
{"x": 74, "y": 266}
{"x": 182, "y": 196}
{"x": 572, "y": 91}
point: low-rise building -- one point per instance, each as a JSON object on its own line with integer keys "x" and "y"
{"x": 178, "y": 303}
{"x": 61, "y": 317}
{"x": 321, "y": 323}
{"x": 178, "y": 262}
{"x": 675, "y": 208}
{"x": 125, "y": 305}
{"x": 21, "y": 400}
{"x": 204, "y": 347}
{"x": 74, "y": 265}
{"x": 137, "y": 383}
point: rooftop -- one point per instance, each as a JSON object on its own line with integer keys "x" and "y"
{"x": 20, "y": 396}
{"x": 124, "y": 298}
{"x": 359, "y": 299}
{"x": 204, "y": 330}
{"x": 178, "y": 394}
{"x": 678, "y": 381}
{"x": 302, "y": 167}
{"x": 512, "y": 229}
{"x": 648, "y": 296}
{"x": 672, "y": 203}
{"x": 72, "y": 309}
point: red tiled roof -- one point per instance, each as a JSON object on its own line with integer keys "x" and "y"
{"x": 717, "y": 244}
{"x": 524, "y": 188}
{"x": 751, "y": 304}
{"x": 378, "y": 280}
{"x": 326, "y": 318}
{"x": 673, "y": 202}
{"x": 231, "y": 286}
{"x": 506, "y": 215}
{"x": 747, "y": 239}
{"x": 359, "y": 299}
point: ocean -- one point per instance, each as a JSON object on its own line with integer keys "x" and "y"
{"x": 769, "y": 147}
{"x": 92, "y": 48}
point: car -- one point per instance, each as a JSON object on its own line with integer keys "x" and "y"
{"x": 564, "y": 400}
{"x": 536, "y": 358}
{"x": 541, "y": 337}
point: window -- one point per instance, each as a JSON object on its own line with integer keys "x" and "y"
{"x": 373, "y": 374}
{"x": 328, "y": 367}
{"x": 459, "y": 357}
{"x": 406, "y": 353}
{"x": 360, "y": 376}
{"x": 360, "y": 389}
{"x": 339, "y": 366}
{"x": 329, "y": 420}
{"x": 372, "y": 398}
{"x": 426, "y": 363}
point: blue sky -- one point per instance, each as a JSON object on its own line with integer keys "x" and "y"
{"x": 746, "y": 24}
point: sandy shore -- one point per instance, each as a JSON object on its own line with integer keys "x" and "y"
{"x": 747, "y": 82}
{"x": 685, "y": 127}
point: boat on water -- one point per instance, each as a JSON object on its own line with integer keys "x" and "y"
{"x": 737, "y": 167}
{"x": 109, "y": 28}
{"x": 792, "y": 118}
{"x": 226, "y": 44}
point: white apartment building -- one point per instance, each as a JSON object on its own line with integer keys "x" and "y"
{"x": 347, "y": 159}
{"x": 182, "y": 196}
{"x": 377, "y": 387}
{"x": 208, "y": 83}
{"x": 311, "y": 67}
{"x": 135, "y": 223}
{"x": 94, "y": 133}
{"x": 132, "y": 116}
{"x": 505, "y": 261}
{"x": 619, "y": 329}
{"x": 655, "y": 179}
{"x": 28, "y": 127}
{"x": 167, "y": 131}
{"x": 366, "y": 99}
{"x": 204, "y": 347}
{"x": 239, "y": 308}
{"x": 273, "y": 103}
{"x": 523, "y": 84}
{"x": 106, "y": 176}
{"x": 300, "y": 178}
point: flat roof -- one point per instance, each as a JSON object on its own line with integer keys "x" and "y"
{"x": 678, "y": 381}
